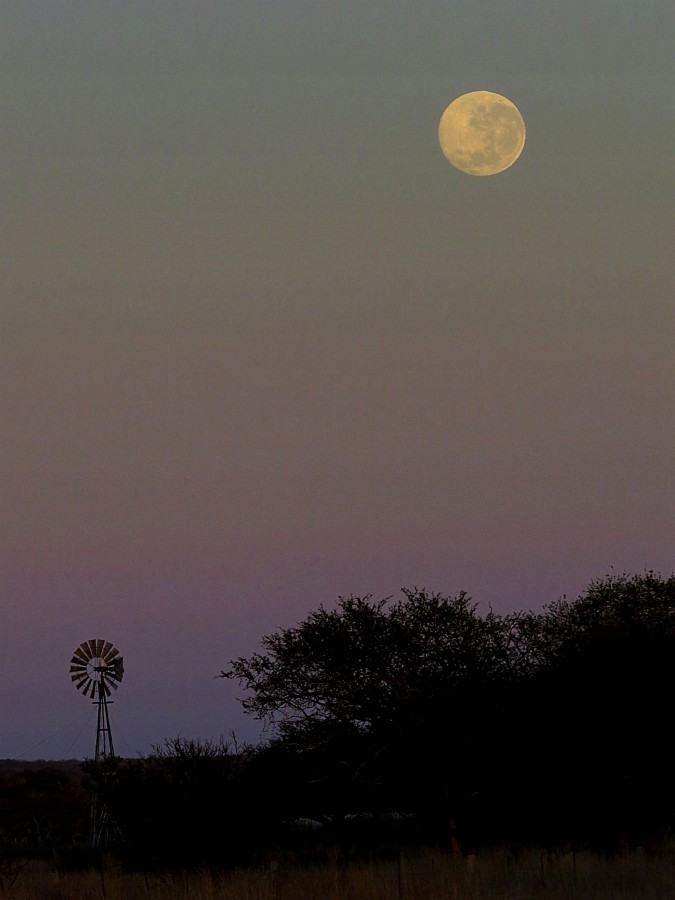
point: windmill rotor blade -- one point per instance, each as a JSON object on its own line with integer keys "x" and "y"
{"x": 80, "y": 680}
{"x": 104, "y": 687}
{"x": 92, "y": 647}
{"x": 110, "y": 655}
{"x": 82, "y": 653}
{"x": 99, "y": 646}
{"x": 79, "y": 677}
{"x": 78, "y": 667}
{"x": 106, "y": 649}
{"x": 92, "y": 693}
{"x": 114, "y": 685}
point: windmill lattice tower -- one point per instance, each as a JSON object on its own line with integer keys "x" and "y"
{"x": 96, "y": 670}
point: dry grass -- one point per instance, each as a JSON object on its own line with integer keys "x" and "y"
{"x": 495, "y": 875}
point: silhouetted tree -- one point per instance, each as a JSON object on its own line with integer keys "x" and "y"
{"x": 524, "y": 725}
{"x": 365, "y": 667}
{"x": 393, "y": 705}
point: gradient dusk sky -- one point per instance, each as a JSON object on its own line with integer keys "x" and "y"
{"x": 262, "y": 346}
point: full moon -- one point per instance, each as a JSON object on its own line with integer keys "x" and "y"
{"x": 482, "y": 133}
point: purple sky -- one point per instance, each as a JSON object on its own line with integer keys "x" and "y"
{"x": 261, "y": 346}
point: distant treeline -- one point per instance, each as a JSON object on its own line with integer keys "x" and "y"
{"x": 27, "y": 765}
{"x": 415, "y": 722}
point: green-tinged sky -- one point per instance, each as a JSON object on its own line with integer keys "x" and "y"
{"x": 261, "y": 345}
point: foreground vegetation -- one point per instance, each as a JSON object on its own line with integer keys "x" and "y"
{"x": 410, "y": 742}
{"x": 493, "y": 875}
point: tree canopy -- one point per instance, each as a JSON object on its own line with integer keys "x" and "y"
{"x": 365, "y": 664}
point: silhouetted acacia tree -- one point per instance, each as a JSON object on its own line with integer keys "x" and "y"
{"x": 392, "y": 703}
{"x": 364, "y": 664}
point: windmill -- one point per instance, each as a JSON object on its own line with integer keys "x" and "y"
{"x": 96, "y": 670}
